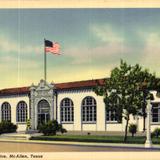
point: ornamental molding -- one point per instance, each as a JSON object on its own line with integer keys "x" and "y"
{"x": 37, "y": 100}
{"x": 43, "y": 89}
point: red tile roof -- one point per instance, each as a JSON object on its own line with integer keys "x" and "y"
{"x": 13, "y": 91}
{"x": 79, "y": 84}
{"x": 58, "y": 86}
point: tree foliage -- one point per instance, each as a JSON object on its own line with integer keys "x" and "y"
{"x": 127, "y": 89}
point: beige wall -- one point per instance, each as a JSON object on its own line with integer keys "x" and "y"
{"x": 77, "y": 97}
{"x": 13, "y": 101}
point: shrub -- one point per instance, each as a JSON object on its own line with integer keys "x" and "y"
{"x": 156, "y": 133}
{"x": 7, "y": 127}
{"x": 133, "y": 129}
{"x": 61, "y": 129}
{"x": 51, "y": 128}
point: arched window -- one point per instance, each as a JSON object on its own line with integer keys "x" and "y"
{"x": 67, "y": 110}
{"x": 89, "y": 110}
{"x": 21, "y": 112}
{"x": 43, "y": 107}
{"x": 6, "y": 111}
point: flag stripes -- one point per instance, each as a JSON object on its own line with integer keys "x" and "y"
{"x": 52, "y": 47}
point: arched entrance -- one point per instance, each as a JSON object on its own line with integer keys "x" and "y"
{"x": 43, "y": 112}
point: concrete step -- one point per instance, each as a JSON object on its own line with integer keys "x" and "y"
{"x": 15, "y": 136}
{"x": 31, "y": 131}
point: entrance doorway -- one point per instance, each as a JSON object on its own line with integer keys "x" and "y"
{"x": 43, "y": 112}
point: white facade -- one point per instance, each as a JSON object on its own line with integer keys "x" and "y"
{"x": 46, "y": 102}
{"x": 13, "y": 101}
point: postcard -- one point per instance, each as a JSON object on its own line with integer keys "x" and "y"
{"x": 79, "y": 79}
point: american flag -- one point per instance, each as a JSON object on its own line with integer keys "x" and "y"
{"x": 52, "y": 47}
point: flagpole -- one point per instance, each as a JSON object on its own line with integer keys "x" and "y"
{"x": 45, "y": 63}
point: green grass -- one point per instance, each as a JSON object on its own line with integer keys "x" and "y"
{"x": 93, "y": 138}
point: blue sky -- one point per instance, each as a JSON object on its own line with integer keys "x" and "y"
{"x": 92, "y": 43}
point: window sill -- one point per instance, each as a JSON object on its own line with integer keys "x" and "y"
{"x": 67, "y": 122}
{"x": 88, "y": 122}
{"x": 155, "y": 123}
{"x": 113, "y": 122}
{"x": 21, "y": 122}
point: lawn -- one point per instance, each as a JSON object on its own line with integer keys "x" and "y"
{"x": 93, "y": 138}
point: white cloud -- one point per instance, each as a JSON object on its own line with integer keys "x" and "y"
{"x": 87, "y": 55}
{"x": 151, "y": 51}
{"x": 32, "y": 49}
{"x": 106, "y": 33}
{"x": 113, "y": 45}
{"x": 10, "y": 62}
{"x": 8, "y": 45}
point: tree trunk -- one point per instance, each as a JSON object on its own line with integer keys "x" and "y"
{"x": 126, "y": 128}
{"x": 144, "y": 123}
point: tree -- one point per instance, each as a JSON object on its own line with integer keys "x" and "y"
{"x": 127, "y": 90}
